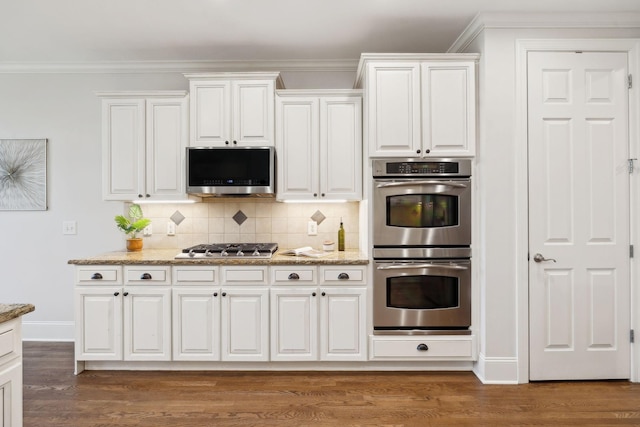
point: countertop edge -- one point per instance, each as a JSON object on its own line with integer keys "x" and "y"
{"x": 12, "y": 311}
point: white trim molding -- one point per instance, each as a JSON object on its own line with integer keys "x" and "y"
{"x": 496, "y": 370}
{"x": 508, "y": 20}
{"x": 523, "y": 47}
{"x": 348, "y": 65}
{"x": 48, "y": 331}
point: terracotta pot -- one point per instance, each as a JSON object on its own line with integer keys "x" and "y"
{"x": 134, "y": 245}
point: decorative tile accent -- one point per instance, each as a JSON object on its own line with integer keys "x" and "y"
{"x": 318, "y": 217}
{"x": 239, "y": 217}
{"x": 177, "y": 217}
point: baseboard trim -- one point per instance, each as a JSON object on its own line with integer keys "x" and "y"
{"x": 496, "y": 370}
{"x": 48, "y": 331}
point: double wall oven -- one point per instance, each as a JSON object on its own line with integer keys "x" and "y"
{"x": 422, "y": 246}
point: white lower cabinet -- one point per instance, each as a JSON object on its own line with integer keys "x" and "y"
{"x": 147, "y": 323}
{"x": 98, "y": 323}
{"x": 196, "y": 323}
{"x": 245, "y": 324}
{"x": 426, "y": 347}
{"x": 317, "y": 322}
{"x": 11, "y": 373}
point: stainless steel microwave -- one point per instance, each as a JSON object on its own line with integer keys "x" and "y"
{"x": 228, "y": 172}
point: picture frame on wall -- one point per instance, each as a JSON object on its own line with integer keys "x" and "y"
{"x": 23, "y": 174}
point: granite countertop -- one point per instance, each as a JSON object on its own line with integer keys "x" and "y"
{"x": 11, "y": 311}
{"x": 167, "y": 257}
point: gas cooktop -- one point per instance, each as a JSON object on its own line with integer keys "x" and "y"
{"x": 229, "y": 250}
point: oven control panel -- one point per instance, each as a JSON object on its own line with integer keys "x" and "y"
{"x": 421, "y": 167}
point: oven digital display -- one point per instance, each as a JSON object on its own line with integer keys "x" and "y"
{"x": 423, "y": 292}
{"x": 422, "y": 168}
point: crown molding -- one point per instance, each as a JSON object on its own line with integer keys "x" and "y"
{"x": 334, "y": 65}
{"x": 581, "y": 20}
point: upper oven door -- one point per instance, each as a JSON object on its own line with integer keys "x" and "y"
{"x": 435, "y": 212}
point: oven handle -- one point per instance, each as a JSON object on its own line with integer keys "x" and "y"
{"x": 405, "y": 183}
{"x": 427, "y": 265}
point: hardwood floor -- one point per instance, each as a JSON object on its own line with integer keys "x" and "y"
{"x": 53, "y": 397}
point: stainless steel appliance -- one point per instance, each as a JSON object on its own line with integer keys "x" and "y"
{"x": 229, "y": 250}
{"x": 237, "y": 171}
{"x": 422, "y": 202}
{"x": 422, "y": 246}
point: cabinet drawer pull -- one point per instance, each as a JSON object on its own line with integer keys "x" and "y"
{"x": 96, "y": 276}
{"x": 343, "y": 276}
{"x": 146, "y": 276}
{"x": 293, "y": 276}
{"x": 422, "y": 347}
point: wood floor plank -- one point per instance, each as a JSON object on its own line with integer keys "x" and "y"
{"x": 55, "y": 397}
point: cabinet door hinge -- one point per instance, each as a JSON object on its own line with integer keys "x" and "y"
{"x": 629, "y": 81}
{"x": 632, "y": 336}
{"x": 630, "y": 251}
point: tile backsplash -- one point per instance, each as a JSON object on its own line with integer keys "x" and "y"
{"x": 250, "y": 220}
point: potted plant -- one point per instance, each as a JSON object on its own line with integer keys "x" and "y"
{"x": 132, "y": 226}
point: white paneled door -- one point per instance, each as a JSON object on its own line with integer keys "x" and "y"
{"x": 579, "y": 285}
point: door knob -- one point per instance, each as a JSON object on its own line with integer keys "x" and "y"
{"x": 541, "y": 258}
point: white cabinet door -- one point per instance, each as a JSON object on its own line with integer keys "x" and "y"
{"x": 448, "y": 108}
{"x": 147, "y": 323}
{"x": 343, "y": 323}
{"x": 319, "y": 145}
{"x": 166, "y": 142}
{"x": 98, "y": 323}
{"x": 210, "y": 111}
{"x": 196, "y": 323}
{"x": 143, "y": 145}
{"x": 253, "y": 112}
{"x": 123, "y": 148}
{"x": 294, "y": 323}
{"x": 11, "y": 394}
{"x": 298, "y": 148}
{"x": 393, "y": 108}
{"x": 341, "y": 148}
{"x": 245, "y": 324}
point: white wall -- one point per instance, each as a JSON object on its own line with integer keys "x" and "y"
{"x": 499, "y": 196}
{"x": 64, "y": 109}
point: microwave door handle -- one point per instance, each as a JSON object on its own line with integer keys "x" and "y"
{"x": 427, "y": 265}
{"x": 406, "y": 183}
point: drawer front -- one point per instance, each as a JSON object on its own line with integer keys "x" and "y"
{"x": 7, "y": 341}
{"x": 244, "y": 276}
{"x": 99, "y": 275}
{"x": 140, "y": 275}
{"x": 184, "y": 275}
{"x": 294, "y": 275}
{"x": 422, "y": 349}
{"x": 347, "y": 274}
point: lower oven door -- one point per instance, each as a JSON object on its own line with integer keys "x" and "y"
{"x": 421, "y": 296}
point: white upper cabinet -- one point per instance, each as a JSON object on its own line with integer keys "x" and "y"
{"x": 144, "y": 136}
{"x": 419, "y": 105}
{"x": 319, "y": 145}
{"x": 232, "y": 109}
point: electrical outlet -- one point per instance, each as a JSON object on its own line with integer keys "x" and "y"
{"x": 312, "y": 228}
{"x": 147, "y": 231}
{"x": 171, "y": 228}
{"x": 69, "y": 227}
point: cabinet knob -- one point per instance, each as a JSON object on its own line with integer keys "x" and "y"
{"x": 324, "y": 294}
{"x": 140, "y": 196}
{"x": 147, "y": 195}
{"x": 315, "y": 194}
{"x": 115, "y": 294}
{"x": 322, "y": 195}
{"x": 427, "y": 151}
{"x": 215, "y": 294}
{"x": 226, "y": 142}
{"x": 96, "y": 276}
{"x": 125, "y": 293}
{"x": 235, "y": 142}
{"x": 224, "y": 294}
{"x": 343, "y": 276}
{"x": 313, "y": 294}
{"x": 418, "y": 151}
{"x": 293, "y": 276}
{"x": 422, "y": 347}
{"x": 146, "y": 276}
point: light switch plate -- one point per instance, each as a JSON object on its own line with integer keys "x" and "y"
{"x": 312, "y": 228}
{"x": 171, "y": 228}
{"x": 69, "y": 227}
